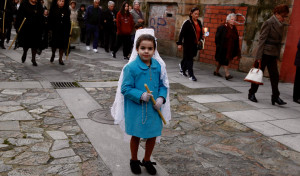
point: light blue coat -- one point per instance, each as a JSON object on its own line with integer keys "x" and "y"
{"x": 141, "y": 119}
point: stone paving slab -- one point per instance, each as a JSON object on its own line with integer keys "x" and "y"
{"x": 208, "y": 98}
{"x": 20, "y": 85}
{"x": 9, "y": 126}
{"x": 248, "y": 116}
{"x": 292, "y": 140}
{"x": 291, "y": 125}
{"x": 98, "y": 84}
{"x": 229, "y": 106}
{"x": 267, "y": 128}
{"x": 282, "y": 113}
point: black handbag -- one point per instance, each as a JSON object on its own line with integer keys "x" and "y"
{"x": 200, "y": 45}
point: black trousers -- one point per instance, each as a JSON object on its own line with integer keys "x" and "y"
{"x": 82, "y": 35}
{"x": 271, "y": 63}
{"x": 188, "y": 60}
{"x": 109, "y": 39}
{"x": 296, "y": 94}
{"x": 126, "y": 42}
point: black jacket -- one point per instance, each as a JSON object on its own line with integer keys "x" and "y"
{"x": 108, "y": 17}
{"x": 297, "y": 59}
{"x": 187, "y": 36}
{"x": 80, "y": 18}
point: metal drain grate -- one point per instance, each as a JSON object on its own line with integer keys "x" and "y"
{"x": 65, "y": 85}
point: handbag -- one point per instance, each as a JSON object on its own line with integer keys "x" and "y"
{"x": 200, "y": 45}
{"x": 255, "y": 75}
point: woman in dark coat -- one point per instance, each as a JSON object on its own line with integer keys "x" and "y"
{"x": 268, "y": 51}
{"x": 227, "y": 45}
{"x": 80, "y": 19}
{"x": 60, "y": 25}
{"x": 30, "y": 35}
{"x": 190, "y": 35}
{"x": 296, "y": 94}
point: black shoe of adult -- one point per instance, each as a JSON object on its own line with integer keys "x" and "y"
{"x": 126, "y": 58}
{"x": 61, "y": 62}
{"x": 23, "y": 59}
{"x": 217, "y": 74}
{"x": 107, "y": 50}
{"x": 135, "y": 166}
{"x": 3, "y": 47}
{"x": 252, "y": 98}
{"x": 277, "y": 100}
{"x": 39, "y": 52}
{"x": 149, "y": 167}
{"x": 113, "y": 54}
{"x": 193, "y": 78}
{"x": 34, "y": 63}
{"x": 297, "y": 101}
{"x": 228, "y": 77}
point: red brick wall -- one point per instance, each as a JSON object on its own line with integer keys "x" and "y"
{"x": 214, "y": 16}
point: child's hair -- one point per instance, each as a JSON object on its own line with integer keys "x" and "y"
{"x": 138, "y": 26}
{"x": 147, "y": 37}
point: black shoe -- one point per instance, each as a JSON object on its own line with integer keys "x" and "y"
{"x": 149, "y": 167}
{"x": 135, "y": 166}
{"x": 193, "y": 78}
{"x": 252, "y": 98}
{"x": 3, "y": 47}
{"x": 34, "y": 63}
{"x": 278, "y": 101}
{"x": 7, "y": 41}
{"x": 61, "y": 62}
{"x": 217, "y": 74}
{"x": 126, "y": 58}
{"x": 228, "y": 77}
{"x": 52, "y": 58}
{"x": 297, "y": 101}
{"x": 23, "y": 58}
{"x": 107, "y": 50}
{"x": 39, "y": 52}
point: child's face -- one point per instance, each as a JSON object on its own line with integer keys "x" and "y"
{"x": 146, "y": 51}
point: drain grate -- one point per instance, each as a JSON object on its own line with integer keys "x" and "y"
{"x": 101, "y": 116}
{"x": 65, "y": 85}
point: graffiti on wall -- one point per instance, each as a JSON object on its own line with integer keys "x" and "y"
{"x": 156, "y": 23}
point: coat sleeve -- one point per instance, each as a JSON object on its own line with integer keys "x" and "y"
{"x": 86, "y": 16}
{"x": 182, "y": 33}
{"x": 118, "y": 22}
{"x": 218, "y": 37}
{"x": 163, "y": 91}
{"x": 128, "y": 89}
{"x": 264, "y": 33}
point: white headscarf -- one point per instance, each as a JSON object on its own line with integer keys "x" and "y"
{"x": 117, "y": 109}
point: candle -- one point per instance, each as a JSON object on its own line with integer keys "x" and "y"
{"x": 205, "y": 29}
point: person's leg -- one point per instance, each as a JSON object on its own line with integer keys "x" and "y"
{"x": 274, "y": 76}
{"x": 226, "y": 70}
{"x": 88, "y": 35}
{"x": 8, "y": 32}
{"x": 118, "y": 44}
{"x": 150, "y": 143}
{"x": 33, "y": 52}
{"x": 134, "y": 162}
{"x": 296, "y": 93}
{"x": 106, "y": 38}
{"x": 218, "y": 68}
{"x": 24, "y": 54}
{"x": 61, "y": 52}
{"x": 112, "y": 40}
{"x": 126, "y": 45}
{"x": 184, "y": 60}
{"x": 96, "y": 37}
{"x": 53, "y": 54}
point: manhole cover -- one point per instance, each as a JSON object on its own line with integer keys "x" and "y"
{"x": 101, "y": 116}
{"x": 64, "y": 85}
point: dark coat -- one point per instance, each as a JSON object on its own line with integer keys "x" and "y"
{"x": 45, "y": 35}
{"x": 297, "y": 59}
{"x": 60, "y": 25}
{"x": 270, "y": 38}
{"x": 80, "y": 18}
{"x": 187, "y": 36}
{"x": 88, "y": 15}
{"x": 108, "y": 17}
{"x": 30, "y": 36}
{"x": 222, "y": 45}
{"x": 9, "y": 11}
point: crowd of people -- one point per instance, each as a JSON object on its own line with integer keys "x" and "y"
{"x": 38, "y": 27}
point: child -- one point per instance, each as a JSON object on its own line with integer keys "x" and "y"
{"x": 134, "y": 112}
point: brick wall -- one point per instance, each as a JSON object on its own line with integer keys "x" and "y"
{"x": 214, "y": 16}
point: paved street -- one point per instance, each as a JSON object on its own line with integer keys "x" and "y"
{"x": 214, "y": 129}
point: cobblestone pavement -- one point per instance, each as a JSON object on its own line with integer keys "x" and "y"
{"x": 39, "y": 136}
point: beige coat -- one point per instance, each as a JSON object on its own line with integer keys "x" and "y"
{"x": 270, "y": 38}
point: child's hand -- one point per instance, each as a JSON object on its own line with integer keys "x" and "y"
{"x": 159, "y": 102}
{"x": 146, "y": 96}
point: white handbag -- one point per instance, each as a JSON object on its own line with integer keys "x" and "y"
{"x": 255, "y": 76}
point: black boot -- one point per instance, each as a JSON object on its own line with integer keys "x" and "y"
{"x": 135, "y": 166}
{"x": 61, "y": 62}
{"x": 277, "y": 100}
{"x": 23, "y": 58}
{"x": 34, "y": 62}
{"x": 52, "y": 58}
{"x": 252, "y": 98}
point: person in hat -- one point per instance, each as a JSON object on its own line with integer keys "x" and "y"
{"x": 60, "y": 25}
{"x": 80, "y": 19}
{"x": 30, "y": 35}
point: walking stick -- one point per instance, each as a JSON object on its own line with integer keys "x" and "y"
{"x": 17, "y": 33}
{"x": 69, "y": 40}
{"x": 4, "y": 15}
{"x": 153, "y": 101}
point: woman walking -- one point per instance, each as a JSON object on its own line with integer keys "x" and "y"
{"x": 125, "y": 25}
{"x": 59, "y": 20}
{"x": 190, "y": 35}
{"x": 296, "y": 94}
{"x": 30, "y": 35}
{"x": 227, "y": 45}
{"x": 269, "y": 51}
